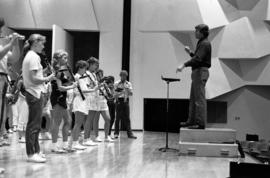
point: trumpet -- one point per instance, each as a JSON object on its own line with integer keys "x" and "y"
{"x": 8, "y": 37}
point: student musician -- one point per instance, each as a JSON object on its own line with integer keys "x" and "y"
{"x": 103, "y": 108}
{"x": 81, "y": 107}
{"x": 59, "y": 101}
{"x": 111, "y": 101}
{"x": 9, "y": 53}
{"x": 123, "y": 89}
{"x": 33, "y": 81}
{"x": 93, "y": 105}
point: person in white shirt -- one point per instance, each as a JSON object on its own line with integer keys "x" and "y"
{"x": 123, "y": 89}
{"x": 80, "y": 106}
{"x": 33, "y": 81}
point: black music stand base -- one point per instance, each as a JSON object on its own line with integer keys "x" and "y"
{"x": 166, "y": 148}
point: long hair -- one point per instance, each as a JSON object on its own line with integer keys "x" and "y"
{"x": 31, "y": 40}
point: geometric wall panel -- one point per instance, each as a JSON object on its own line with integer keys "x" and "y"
{"x": 241, "y": 41}
{"x": 17, "y": 13}
{"x": 160, "y": 15}
{"x": 244, "y": 4}
{"x": 80, "y": 12}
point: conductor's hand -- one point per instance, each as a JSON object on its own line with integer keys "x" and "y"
{"x": 180, "y": 68}
{"x": 188, "y": 50}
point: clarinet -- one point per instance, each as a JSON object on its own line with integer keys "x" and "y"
{"x": 73, "y": 78}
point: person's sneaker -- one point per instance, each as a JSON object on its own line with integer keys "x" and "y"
{"x": 36, "y": 158}
{"x": 69, "y": 149}
{"x": 89, "y": 142}
{"x": 42, "y": 155}
{"x": 116, "y": 136}
{"x": 2, "y": 170}
{"x": 109, "y": 139}
{"x": 132, "y": 137}
{"x": 78, "y": 146}
{"x": 58, "y": 150}
{"x": 14, "y": 128}
{"x": 47, "y": 136}
{"x": 5, "y": 142}
{"x": 98, "y": 139}
{"x": 10, "y": 131}
{"x": 22, "y": 140}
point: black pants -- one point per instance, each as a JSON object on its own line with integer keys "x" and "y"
{"x": 197, "y": 102}
{"x": 34, "y": 123}
{"x": 111, "y": 106}
{"x": 122, "y": 113}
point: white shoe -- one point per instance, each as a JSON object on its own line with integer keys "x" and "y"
{"x": 22, "y": 140}
{"x": 89, "y": 142}
{"x": 58, "y": 150}
{"x": 42, "y": 155}
{"x": 2, "y": 170}
{"x": 36, "y": 158}
{"x": 10, "y": 131}
{"x": 97, "y": 139}
{"x": 47, "y": 136}
{"x": 109, "y": 139}
{"x": 78, "y": 146}
{"x": 14, "y": 128}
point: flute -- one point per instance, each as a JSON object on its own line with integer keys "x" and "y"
{"x": 20, "y": 37}
{"x": 73, "y": 78}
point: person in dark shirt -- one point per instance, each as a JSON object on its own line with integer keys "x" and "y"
{"x": 59, "y": 101}
{"x": 200, "y": 62}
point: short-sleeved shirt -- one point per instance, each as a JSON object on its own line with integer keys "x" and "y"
{"x": 119, "y": 85}
{"x": 31, "y": 62}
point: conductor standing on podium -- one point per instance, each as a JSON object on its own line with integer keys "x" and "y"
{"x": 200, "y": 62}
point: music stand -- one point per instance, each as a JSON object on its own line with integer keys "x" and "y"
{"x": 168, "y": 81}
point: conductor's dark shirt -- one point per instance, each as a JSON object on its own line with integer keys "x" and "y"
{"x": 202, "y": 55}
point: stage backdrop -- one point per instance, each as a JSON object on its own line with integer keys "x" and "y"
{"x": 240, "y": 64}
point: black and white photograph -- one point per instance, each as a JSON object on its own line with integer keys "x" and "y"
{"x": 134, "y": 88}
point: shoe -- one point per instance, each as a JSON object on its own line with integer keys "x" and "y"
{"x": 132, "y": 137}
{"x": 78, "y": 146}
{"x": 42, "y": 155}
{"x": 10, "y": 131}
{"x": 116, "y": 136}
{"x": 97, "y": 139}
{"x": 89, "y": 142}
{"x": 47, "y": 136}
{"x": 69, "y": 149}
{"x": 196, "y": 126}
{"x": 108, "y": 139}
{"x": 58, "y": 150}
{"x": 185, "y": 124}
{"x": 22, "y": 140}
{"x": 36, "y": 158}
{"x": 14, "y": 128}
{"x": 2, "y": 170}
{"x": 5, "y": 142}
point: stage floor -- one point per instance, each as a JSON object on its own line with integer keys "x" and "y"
{"x": 123, "y": 159}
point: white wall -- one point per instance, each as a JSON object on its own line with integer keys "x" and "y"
{"x": 160, "y": 30}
